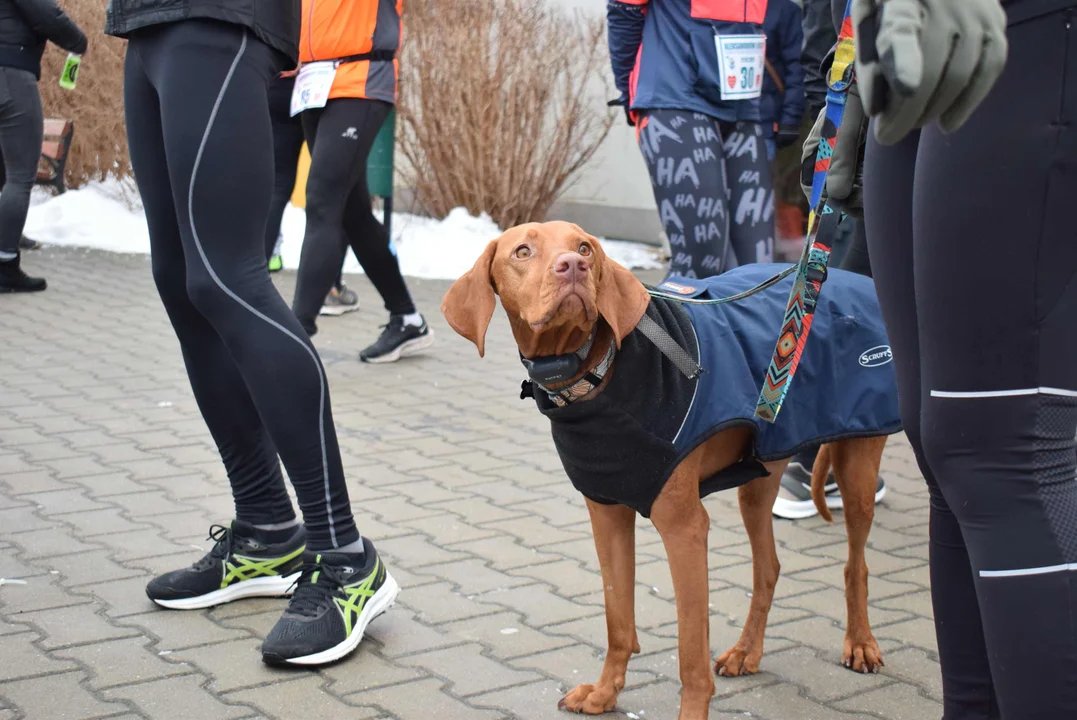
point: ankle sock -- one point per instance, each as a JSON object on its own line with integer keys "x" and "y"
{"x": 278, "y": 526}
{"x": 275, "y": 534}
{"x": 352, "y": 548}
{"x": 413, "y": 319}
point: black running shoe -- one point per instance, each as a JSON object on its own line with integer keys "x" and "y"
{"x": 14, "y": 280}
{"x": 335, "y": 599}
{"x": 398, "y": 340}
{"x": 794, "y": 497}
{"x": 242, "y": 564}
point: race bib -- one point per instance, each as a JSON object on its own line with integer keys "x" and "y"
{"x": 741, "y": 62}
{"x": 312, "y": 86}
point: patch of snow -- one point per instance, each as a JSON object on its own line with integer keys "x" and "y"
{"x": 108, "y": 216}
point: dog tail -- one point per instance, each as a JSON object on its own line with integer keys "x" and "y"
{"x": 820, "y": 472}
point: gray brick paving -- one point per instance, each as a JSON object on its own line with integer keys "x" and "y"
{"x": 107, "y": 475}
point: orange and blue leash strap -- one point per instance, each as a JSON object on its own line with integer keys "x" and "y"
{"x": 822, "y": 228}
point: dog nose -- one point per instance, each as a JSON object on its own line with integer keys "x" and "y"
{"x": 570, "y": 266}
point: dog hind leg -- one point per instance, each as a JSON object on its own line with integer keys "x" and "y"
{"x": 856, "y": 468}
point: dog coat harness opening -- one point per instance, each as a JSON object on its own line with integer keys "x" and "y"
{"x": 622, "y": 445}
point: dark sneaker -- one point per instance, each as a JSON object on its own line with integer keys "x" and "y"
{"x": 13, "y": 279}
{"x": 398, "y": 340}
{"x": 241, "y": 565}
{"x": 26, "y": 243}
{"x": 794, "y": 497}
{"x": 335, "y": 599}
{"x": 340, "y": 300}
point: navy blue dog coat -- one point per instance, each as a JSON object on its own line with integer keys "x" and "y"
{"x": 622, "y": 445}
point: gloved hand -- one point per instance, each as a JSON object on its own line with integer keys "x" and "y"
{"x": 918, "y": 61}
{"x": 623, "y": 102}
{"x": 786, "y": 135}
{"x": 844, "y": 180}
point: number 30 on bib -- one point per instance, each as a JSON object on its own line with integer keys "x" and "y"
{"x": 741, "y": 63}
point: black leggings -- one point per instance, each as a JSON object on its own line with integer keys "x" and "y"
{"x": 712, "y": 185}
{"x": 287, "y": 143}
{"x": 975, "y": 261}
{"x": 338, "y": 208}
{"x": 198, "y": 129}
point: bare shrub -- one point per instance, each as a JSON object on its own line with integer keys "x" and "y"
{"x": 498, "y": 104}
{"x": 96, "y": 105}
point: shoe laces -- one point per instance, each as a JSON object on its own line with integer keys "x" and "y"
{"x": 315, "y": 587}
{"x": 224, "y": 538}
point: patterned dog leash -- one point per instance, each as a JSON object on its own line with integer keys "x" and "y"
{"x": 822, "y": 227}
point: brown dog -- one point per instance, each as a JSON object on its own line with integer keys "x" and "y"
{"x": 561, "y": 294}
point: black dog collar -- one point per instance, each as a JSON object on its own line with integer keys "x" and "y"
{"x": 550, "y": 369}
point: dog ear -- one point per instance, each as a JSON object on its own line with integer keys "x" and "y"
{"x": 622, "y": 299}
{"x": 469, "y": 303}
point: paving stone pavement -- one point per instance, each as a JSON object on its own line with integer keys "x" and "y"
{"x": 108, "y": 475}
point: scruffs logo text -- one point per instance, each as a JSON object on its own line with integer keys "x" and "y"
{"x": 681, "y": 289}
{"x": 876, "y": 356}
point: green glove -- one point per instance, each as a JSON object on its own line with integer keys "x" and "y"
{"x": 844, "y": 179}
{"x": 919, "y": 61}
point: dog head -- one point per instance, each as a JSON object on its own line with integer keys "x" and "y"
{"x": 554, "y": 281}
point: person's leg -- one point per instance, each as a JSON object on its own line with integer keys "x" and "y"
{"x": 287, "y": 143}
{"x": 21, "y": 128}
{"x": 339, "y": 138}
{"x": 211, "y": 82}
{"x": 249, "y": 456}
{"x": 968, "y": 692}
{"x": 751, "y": 198}
{"x": 368, "y": 238}
{"x": 1000, "y": 405}
{"x": 406, "y": 333}
{"x": 683, "y": 152}
{"x": 857, "y": 259}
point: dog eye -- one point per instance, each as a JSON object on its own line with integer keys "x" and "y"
{"x": 584, "y": 250}
{"x": 523, "y": 252}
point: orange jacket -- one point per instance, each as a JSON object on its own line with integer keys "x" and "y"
{"x": 335, "y": 29}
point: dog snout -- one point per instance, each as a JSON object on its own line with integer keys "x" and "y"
{"x": 570, "y": 267}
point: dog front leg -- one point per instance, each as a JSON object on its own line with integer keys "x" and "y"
{"x": 683, "y": 523}
{"x": 614, "y": 528}
{"x": 756, "y": 501}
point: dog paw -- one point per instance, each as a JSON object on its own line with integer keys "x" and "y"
{"x": 862, "y": 656}
{"x": 589, "y": 700}
{"x": 737, "y": 661}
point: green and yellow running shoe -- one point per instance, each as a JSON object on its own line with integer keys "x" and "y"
{"x": 244, "y": 563}
{"x": 276, "y": 263}
{"x": 336, "y": 598}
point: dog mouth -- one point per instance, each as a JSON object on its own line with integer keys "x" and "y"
{"x": 570, "y": 301}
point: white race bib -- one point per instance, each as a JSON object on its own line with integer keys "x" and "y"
{"x": 741, "y": 64}
{"x": 312, "y": 86}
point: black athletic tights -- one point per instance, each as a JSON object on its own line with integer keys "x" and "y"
{"x": 974, "y": 254}
{"x": 199, "y": 134}
{"x": 338, "y": 208}
{"x": 287, "y": 144}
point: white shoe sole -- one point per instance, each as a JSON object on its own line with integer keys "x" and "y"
{"x": 405, "y": 349}
{"x": 279, "y": 586}
{"x": 338, "y": 310}
{"x": 794, "y": 510}
{"x": 383, "y": 599}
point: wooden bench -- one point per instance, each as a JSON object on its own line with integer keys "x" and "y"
{"x": 54, "y": 149}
